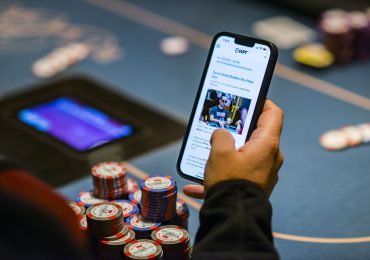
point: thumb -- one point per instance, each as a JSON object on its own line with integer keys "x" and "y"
{"x": 222, "y": 142}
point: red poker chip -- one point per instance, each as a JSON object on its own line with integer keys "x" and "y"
{"x": 143, "y": 249}
{"x": 104, "y": 219}
{"x": 174, "y": 240}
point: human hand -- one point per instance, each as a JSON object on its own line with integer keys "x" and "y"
{"x": 258, "y": 160}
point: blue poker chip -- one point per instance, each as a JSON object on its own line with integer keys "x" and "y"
{"x": 135, "y": 197}
{"x": 158, "y": 184}
{"x": 138, "y": 224}
{"x": 158, "y": 198}
{"x": 87, "y": 199}
{"x": 181, "y": 207}
{"x": 128, "y": 207}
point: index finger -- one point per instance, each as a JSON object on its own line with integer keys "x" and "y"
{"x": 270, "y": 122}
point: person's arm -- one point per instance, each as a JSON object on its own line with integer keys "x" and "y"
{"x": 235, "y": 219}
{"x": 36, "y": 222}
{"x": 235, "y": 223}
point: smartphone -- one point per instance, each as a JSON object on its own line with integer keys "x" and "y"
{"x": 231, "y": 95}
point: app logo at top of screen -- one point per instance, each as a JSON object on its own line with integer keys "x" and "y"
{"x": 241, "y": 51}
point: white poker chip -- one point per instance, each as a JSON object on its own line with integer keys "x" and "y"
{"x": 174, "y": 46}
{"x": 365, "y": 130}
{"x": 60, "y": 59}
{"x": 143, "y": 249}
{"x": 77, "y": 209}
{"x": 80, "y": 50}
{"x": 87, "y": 199}
{"x": 334, "y": 140}
{"x": 158, "y": 182}
{"x": 354, "y": 135}
{"x": 83, "y": 223}
{"x": 42, "y": 68}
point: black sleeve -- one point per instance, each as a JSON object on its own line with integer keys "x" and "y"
{"x": 235, "y": 223}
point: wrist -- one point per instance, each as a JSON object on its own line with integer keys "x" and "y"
{"x": 235, "y": 184}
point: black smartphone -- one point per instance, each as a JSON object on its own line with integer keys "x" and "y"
{"x": 231, "y": 95}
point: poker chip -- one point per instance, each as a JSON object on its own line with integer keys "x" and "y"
{"x": 174, "y": 46}
{"x": 78, "y": 209}
{"x": 109, "y": 180}
{"x": 135, "y": 197}
{"x": 337, "y": 35}
{"x": 182, "y": 215}
{"x": 86, "y": 199}
{"x": 143, "y": 249}
{"x": 132, "y": 185}
{"x": 360, "y": 25}
{"x": 353, "y": 135}
{"x": 313, "y": 55}
{"x": 348, "y": 136}
{"x": 83, "y": 223}
{"x": 334, "y": 140}
{"x": 114, "y": 248}
{"x": 118, "y": 235}
{"x": 346, "y": 34}
{"x": 175, "y": 241}
{"x": 158, "y": 198}
{"x": 104, "y": 219}
{"x": 128, "y": 207}
{"x": 142, "y": 228}
{"x": 365, "y": 129}
{"x": 60, "y": 59}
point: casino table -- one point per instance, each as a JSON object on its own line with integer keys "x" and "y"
{"x": 321, "y": 204}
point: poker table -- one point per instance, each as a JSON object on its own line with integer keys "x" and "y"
{"x": 321, "y": 204}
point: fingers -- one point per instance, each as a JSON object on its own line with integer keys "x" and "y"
{"x": 194, "y": 191}
{"x": 270, "y": 122}
{"x": 280, "y": 160}
{"x": 222, "y": 141}
{"x": 272, "y": 116}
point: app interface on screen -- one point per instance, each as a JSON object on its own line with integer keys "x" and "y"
{"x": 74, "y": 123}
{"x": 227, "y": 100}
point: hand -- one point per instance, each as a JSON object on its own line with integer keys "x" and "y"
{"x": 221, "y": 123}
{"x": 258, "y": 160}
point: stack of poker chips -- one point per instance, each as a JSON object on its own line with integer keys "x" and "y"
{"x": 60, "y": 59}
{"x": 337, "y": 34}
{"x": 143, "y": 228}
{"x": 360, "y": 25}
{"x": 109, "y": 180}
{"x": 182, "y": 210}
{"x": 158, "y": 198}
{"x": 345, "y": 137}
{"x": 143, "y": 249}
{"x": 346, "y": 34}
{"x": 174, "y": 240}
{"x": 182, "y": 215}
{"x": 128, "y": 208}
{"x": 104, "y": 219}
{"x": 113, "y": 249}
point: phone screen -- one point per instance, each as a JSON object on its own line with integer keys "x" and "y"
{"x": 74, "y": 123}
{"x": 227, "y": 99}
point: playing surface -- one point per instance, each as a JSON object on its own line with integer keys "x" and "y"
{"x": 321, "y": 203}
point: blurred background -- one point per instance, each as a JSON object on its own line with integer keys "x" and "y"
{"x": 153, "y": 53}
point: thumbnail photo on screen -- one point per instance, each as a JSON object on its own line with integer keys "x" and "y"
{"x": 223, "y": 110}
